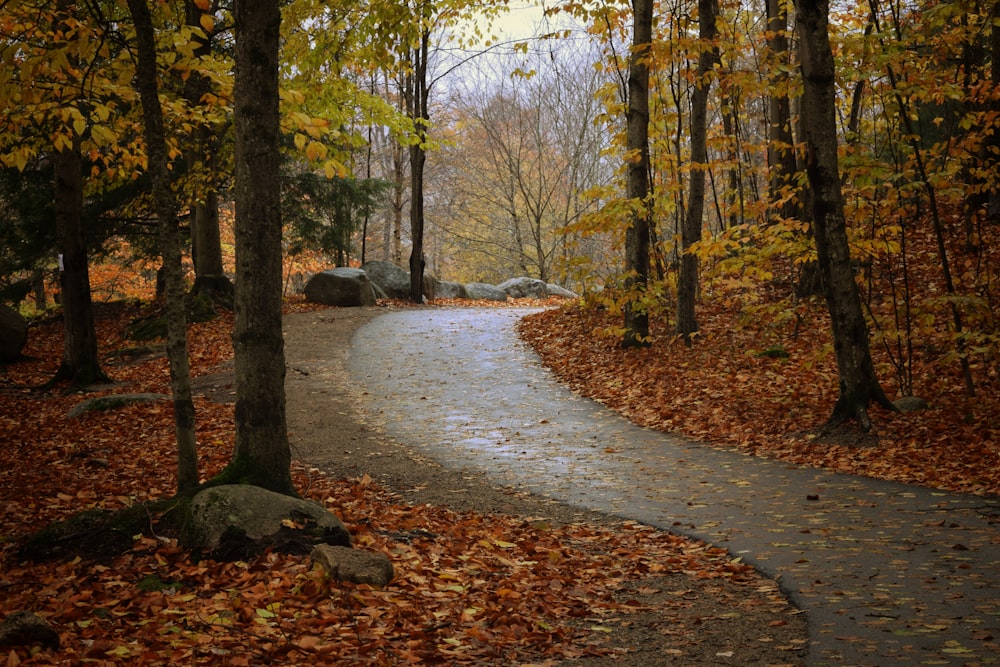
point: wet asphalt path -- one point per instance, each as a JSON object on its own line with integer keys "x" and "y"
{"x": 887, "y": 573}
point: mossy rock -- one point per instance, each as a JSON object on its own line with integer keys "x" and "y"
{"x": 113, "y": 401}
{"x": 774, "y": 352}
{"x": 92, "y": 535}
{"x": 199, "y": 307}
{"x": 149, "y": 328}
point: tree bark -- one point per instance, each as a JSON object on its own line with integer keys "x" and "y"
{"x": 262, "y": 455}
{"x": 858, "y": 384}
{"x": 637, "y": 186}
{"x": 780, "y": 143}
{"x": 687, "y": 279}
{"x": 993, "y": 143}
{"x": 170, "y": 245}
{"x": 80, "y": 363}
{"x": 417, "y": 105}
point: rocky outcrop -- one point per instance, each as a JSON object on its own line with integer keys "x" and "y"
{"x": 13, "y": 333}
{"x": 908, "y": 404}
{"x": 430, "y": 286}
{"x": 450, "y": 290}
{"x": 354, "y": 565}
{"x": 483, "y": 291}
{"x": 392, "y": 280}
{"x": 256, "y": 513}
{"x": 524, "y": 287}
{"x": 342, "y": 286}
{"x": 112, "y": 401}
{"x": 557, "y": 290}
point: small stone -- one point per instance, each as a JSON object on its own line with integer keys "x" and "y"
{"x": 908, "y": 404}
{"x": 354, "y": 565}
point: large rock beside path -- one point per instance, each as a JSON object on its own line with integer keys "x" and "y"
{"x": 485, "y": 292}
{"x": 13, "y": 333}
{"x": 449, "y": 290}
{"x": 524, "y": 287}
{"x": 344, "y": 287}
{"x": 392, "y": 280}
{"x": 558, "y": 290}
{"x": 257, "y": 514}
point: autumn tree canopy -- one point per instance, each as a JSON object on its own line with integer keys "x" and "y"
{"x": 371, "y": 91}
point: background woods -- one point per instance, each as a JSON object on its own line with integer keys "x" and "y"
{"x": 760, "y": 174}
{"x": 781, "y": 218}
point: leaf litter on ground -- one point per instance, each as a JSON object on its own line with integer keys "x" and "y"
{"x": 470, "y": 589}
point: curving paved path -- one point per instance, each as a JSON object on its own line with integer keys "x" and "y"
{"x": 888, "y": 573}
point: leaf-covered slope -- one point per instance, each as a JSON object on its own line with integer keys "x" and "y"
{"x": 727, "y": 390}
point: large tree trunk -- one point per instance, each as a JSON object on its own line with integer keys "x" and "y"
{"x": 687, "y": 280}
{"x": 170, "y": 245}
{"x": 80, "y": 363}
{"x": 637, "y": 186}
{"x": 262, "y": 456}
{"x": 858, "y": 384}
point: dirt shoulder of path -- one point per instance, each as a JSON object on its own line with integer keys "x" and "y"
{"x": 331, "y": 430}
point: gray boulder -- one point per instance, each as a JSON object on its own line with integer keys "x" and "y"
{"x": 430, "y": 286}
{"x": 484, "y": 292}
{"x": 257, "y": 513}
{"x": 908, "y": 404}
{"x": 556, "y": 290}
{"x": 13, "y": 333}
{"x": 450, "y": 290}
{"x": 524, "y": 287}
{"x": 394, "y": 281}
{"x": 342, "y": 286}
{"x": 355, "y": 565}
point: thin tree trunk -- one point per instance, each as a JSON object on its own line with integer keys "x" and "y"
{"x": 687, "y": 279}
{"x": 38, "y": 289}
{"x": 936, "y": 218}
{"x": 418, "y": 108}
{"x": 206, "y": 242}
{"x": 780, "y": 143}
{"x": 734, "y": 195}
{"x": 398, "y": 190}
{"x": 80, "y": 363}
{"x": 262, "y": 455}
{"x": 858, "y": 384}
{"x": 637, "y": 235}
{"x": 170, "y": 245}
{"x": 398, "y": 168}
{"x": 993, "y": 143}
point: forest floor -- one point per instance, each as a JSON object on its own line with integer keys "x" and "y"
{"x": 485, "y": 576}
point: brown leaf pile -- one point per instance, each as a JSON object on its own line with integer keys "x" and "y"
{"x": 470, "y": 589}
{"x": 725, "y": 392}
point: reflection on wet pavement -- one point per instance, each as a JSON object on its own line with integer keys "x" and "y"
{"x": 889, "y": 573}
